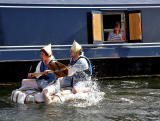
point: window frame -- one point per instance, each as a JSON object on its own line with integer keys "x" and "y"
{"x": 126, "y": 24}
{"x": 121, "y": 13}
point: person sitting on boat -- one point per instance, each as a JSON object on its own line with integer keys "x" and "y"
{"x": 42, "y": 81}
{"x": 79, "y": 72}
{"x": 116, "y": 34}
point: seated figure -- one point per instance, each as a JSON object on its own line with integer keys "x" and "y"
{"x": 79, "y": 75}
{"x": 116, "y": 35}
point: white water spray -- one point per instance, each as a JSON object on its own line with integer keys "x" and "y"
{"x": 92, "y": 97}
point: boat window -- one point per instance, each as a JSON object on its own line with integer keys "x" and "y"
{"x": 113, "y": 27}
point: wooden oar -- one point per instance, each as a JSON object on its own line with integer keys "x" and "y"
{"x": 57, "y": 68}
{"x": 49, "y": 71}
{"x": 40, "y": 73}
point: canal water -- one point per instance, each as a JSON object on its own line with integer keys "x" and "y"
{"x": 125, "y": 99}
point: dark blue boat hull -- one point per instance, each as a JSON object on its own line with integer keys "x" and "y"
{"x": 96, "y": 51}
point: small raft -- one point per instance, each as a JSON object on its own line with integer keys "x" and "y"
{"x": 34, "y": 96}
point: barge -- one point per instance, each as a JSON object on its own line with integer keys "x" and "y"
{"x": 26, "y": 26}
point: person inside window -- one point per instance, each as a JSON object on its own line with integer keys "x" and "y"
{"x": 116, "y": 35}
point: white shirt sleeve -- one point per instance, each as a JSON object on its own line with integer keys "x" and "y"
{"x": 38, "y": 67}
{"x": 80, "y": 65}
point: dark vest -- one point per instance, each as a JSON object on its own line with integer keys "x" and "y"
{"x": 82, "y": 75}
{"x": 89, "y": 64}
{"x": 49, "y": 77}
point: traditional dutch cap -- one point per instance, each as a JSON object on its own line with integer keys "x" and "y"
{"x": 48, "y": 49}
{"x": 76, "y": 47}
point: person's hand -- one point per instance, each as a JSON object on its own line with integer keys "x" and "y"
{"x": 30, "y": 75}
{"x": 120, "y": 36}
{"x": 47, "y": 71}
{"x": 112, "y": 38}
{"x": 74, "y": 91}
{"x": 69, "y": 65}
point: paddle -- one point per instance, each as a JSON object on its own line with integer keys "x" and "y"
{"x": 57, "y": 68}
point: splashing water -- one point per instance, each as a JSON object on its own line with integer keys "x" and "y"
{"x": 92, "y": 97}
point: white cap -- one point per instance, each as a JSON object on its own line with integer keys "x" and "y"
{"x": 48, "y": 49}
{"x": 76, "y": 47}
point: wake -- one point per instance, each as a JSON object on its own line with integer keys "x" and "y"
{"x": 92, "y": 97}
